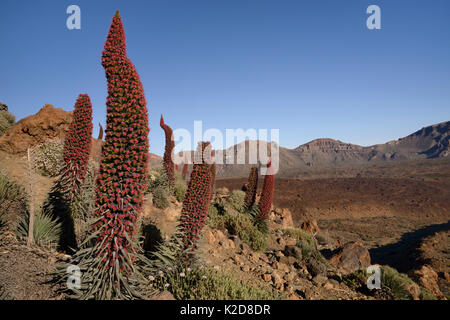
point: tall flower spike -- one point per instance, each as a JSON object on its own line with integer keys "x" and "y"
{"x": 265, "y": 202}
{"x": 109, "y": 269}
{"x": 196, "y": 202}
{"x": 77, "y": 147}
{"x": 252, "y": 185}
{"x": 167, "y": 160}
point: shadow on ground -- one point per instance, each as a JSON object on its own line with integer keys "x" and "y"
{"x": 402, "y": 254}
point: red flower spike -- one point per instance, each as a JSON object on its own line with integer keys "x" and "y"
{"x": 170, "y": 144}
{"x": 126, "y": 143}
{"x": 265, "y": 202}
{"x": 77, "y": 146}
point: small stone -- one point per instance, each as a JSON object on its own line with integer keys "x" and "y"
{"x": 277, "y": 280}
{"x": 281, "y": 242}
{"x": 245, "y": 268}
{"x": 289, "y": 277}
{"x": 293, "y": 251}
{"x": 210, "y": 237}
{"x": 165, "y": 295}
{"x": 290, "y": 241}
{"x": 319, "y": 279}
{"x": 267, "y": 277}
{"x": 328, "y": 285}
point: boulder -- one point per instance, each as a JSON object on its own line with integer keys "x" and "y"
{"x": 310, "y": 226}
{"x": 315, "y": 267}
{"x": 282, "y": 217}
{"x": 210, "y": 237}
{"x": 49, "y": 123}
{"x": 293, "y": 251}
{"x": 286, "y": 219}
{"x": 428, "y": 278}
{"x": 351, "y": 257}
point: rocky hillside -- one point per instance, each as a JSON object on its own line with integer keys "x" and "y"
{"x": 47, "y": 124}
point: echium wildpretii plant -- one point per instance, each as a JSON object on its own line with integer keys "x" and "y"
{"x": 252, "y": 185}
{"x": 265, "y": 202}
{"x": 170, "y": 144}
{"x": 110, "y": 263}
{"x": 196, "y": 201}
{"x": 77, "y": 147}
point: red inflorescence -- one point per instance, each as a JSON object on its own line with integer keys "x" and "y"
{"x": 265, "y": 202}
{"x": 252, "y": 185}
{"x": 196, "y": 202}
{"x": 123, "y": 171}
{"x": 170, "y": 144}
{"x": 77, "y": 145}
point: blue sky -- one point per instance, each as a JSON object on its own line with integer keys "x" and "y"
{"x": 309, "y": 68}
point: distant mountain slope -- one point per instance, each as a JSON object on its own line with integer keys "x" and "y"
{"x": 427, "y": 143}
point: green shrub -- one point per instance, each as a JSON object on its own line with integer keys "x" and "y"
{"x": 425, "y": 294}
{"x": 159, "y": 180}
{"x": 160, "y": 197}
{"x": 46, "y": 230}
{"x": 48, "y": 158}
{"x": 236, "y": 200}
{"x": 202, "y": 283}
{"x": 7, "y": 120}
{"x": 311, "y": 252}
{"x": 83, "y": 205}
{"x": 396, "y": 282}
{"x": 300, "y": 236}
{"x": 12, "y": 199}
{"x": 238, "y": 224}
{"x": 306, "y": 242}
{"x": 180, "y": 190}
{"x": 356, "y": 279}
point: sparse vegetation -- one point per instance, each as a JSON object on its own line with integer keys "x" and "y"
{"x": 205, "y": 283}
{"x": 12, "y": 197}
{"x": 238, "y": 224}
{"x": 7, "y": 120}
{"x": 48, "y": 158}
{"x": 160, "y": 197}
{"x": 180, "y": 190}
{"x": 396, "y": 282}
{"x": 236, "y": 200}
{"x": 300, "y": 236}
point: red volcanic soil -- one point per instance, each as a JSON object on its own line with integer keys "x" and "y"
{"x": 359, "y": 198}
